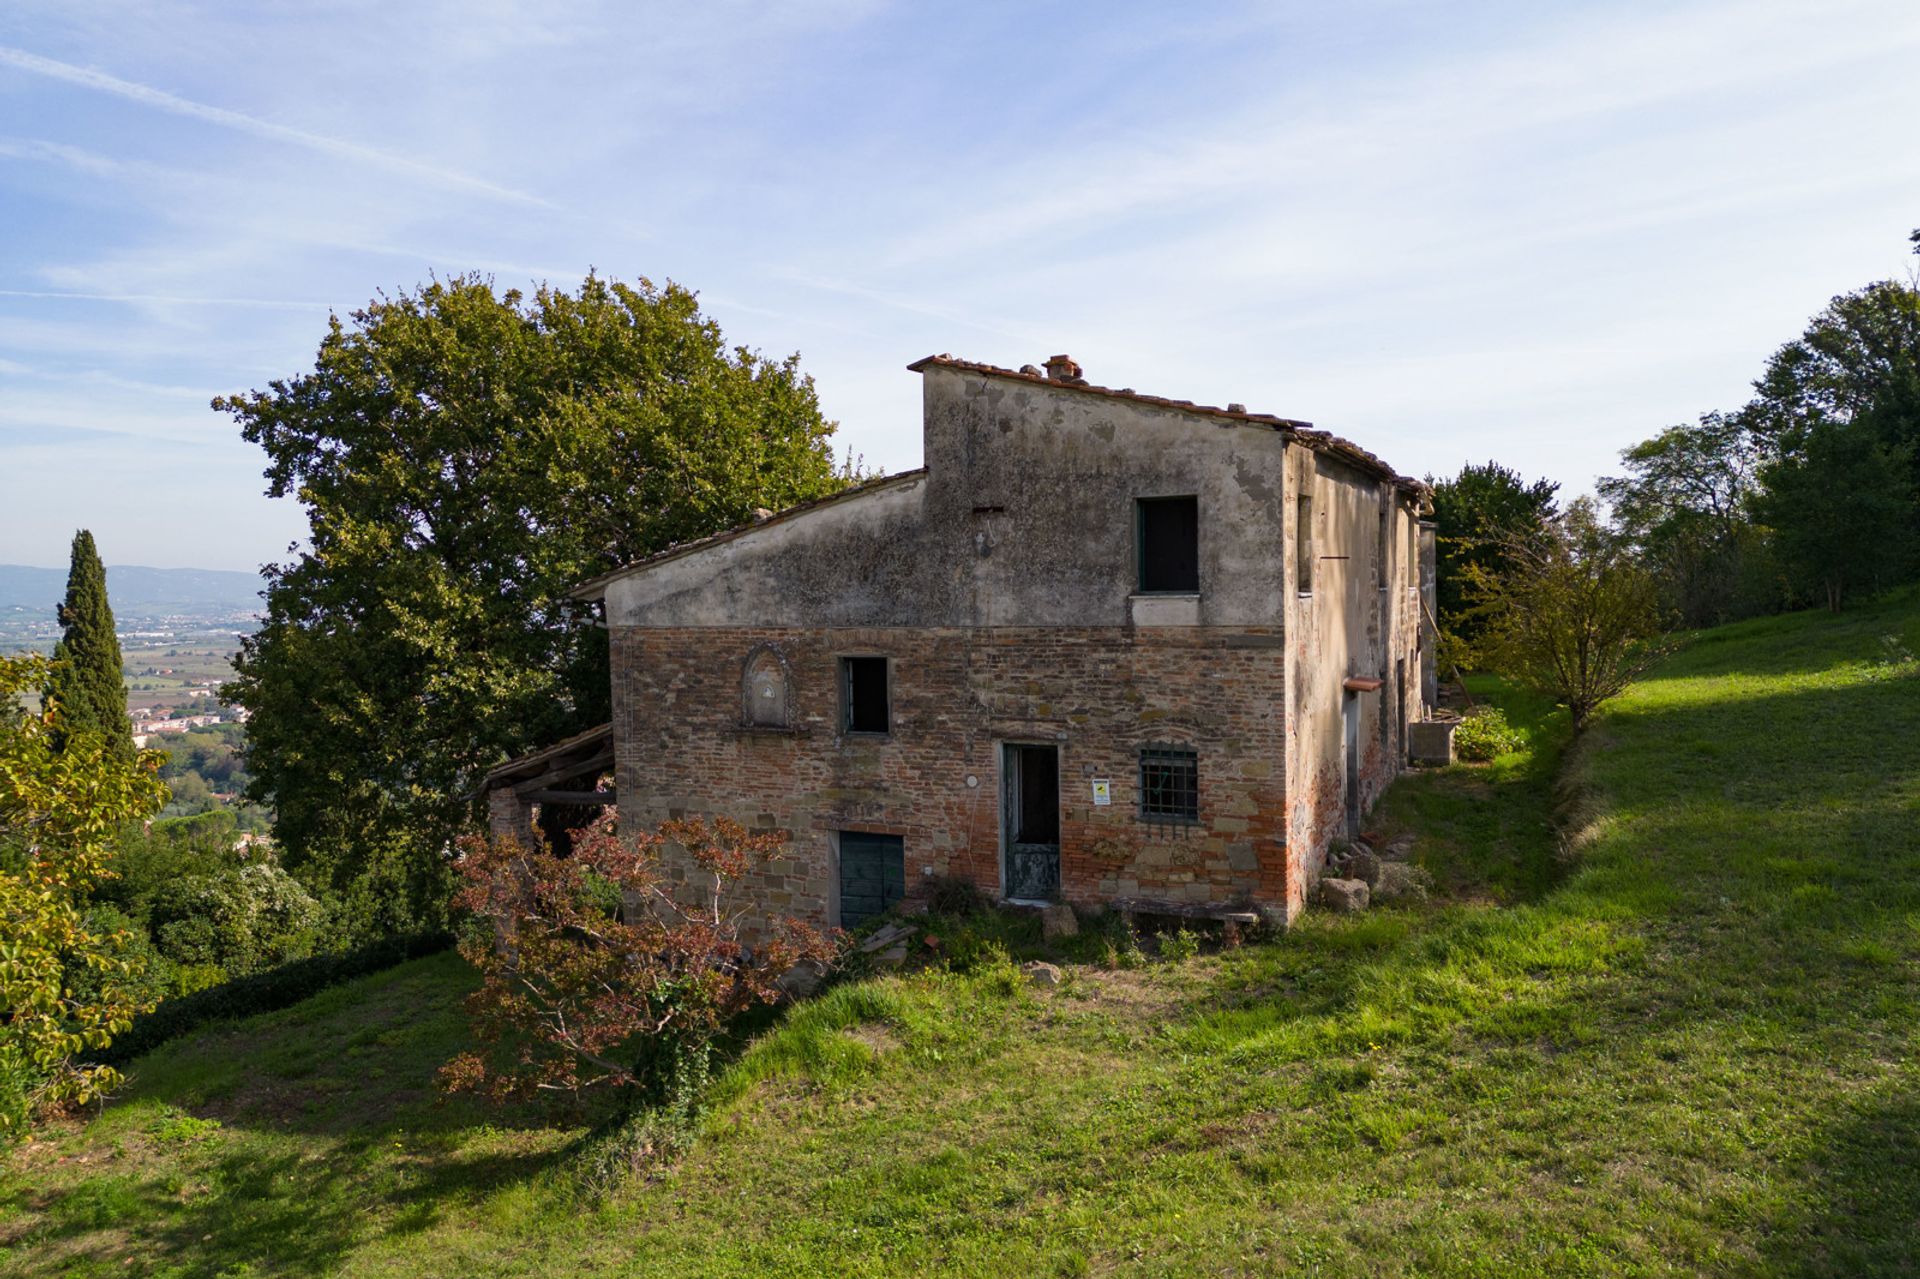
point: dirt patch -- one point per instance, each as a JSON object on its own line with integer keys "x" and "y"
{"x": 875, "y": 1036}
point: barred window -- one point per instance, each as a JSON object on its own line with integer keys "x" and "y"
{"x": 1169, "y": 784}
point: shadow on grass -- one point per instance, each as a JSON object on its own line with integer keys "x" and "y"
{"x": 309, "y": 1132}
{"x": 1861, "y": 1211}
{"x": 1738, "y": 945}
{"x": 285, "y": 1212}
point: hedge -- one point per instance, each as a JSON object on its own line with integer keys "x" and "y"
{"x": 265, "y": 992}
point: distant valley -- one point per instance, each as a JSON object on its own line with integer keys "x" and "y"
{"x": 149, "y": 604}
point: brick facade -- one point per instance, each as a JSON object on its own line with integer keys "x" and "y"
{"x": 1099, "y": 694}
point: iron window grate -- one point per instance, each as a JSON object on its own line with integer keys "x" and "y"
{"x": 1169, "y": 784}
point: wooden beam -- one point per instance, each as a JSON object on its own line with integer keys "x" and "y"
{"x": 592, "y": 764}
{"x": 582, "y": 798}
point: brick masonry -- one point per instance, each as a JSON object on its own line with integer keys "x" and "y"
{"x": 958, "y": 694}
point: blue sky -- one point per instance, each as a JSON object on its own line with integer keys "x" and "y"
{"x": 1529, "y": 232}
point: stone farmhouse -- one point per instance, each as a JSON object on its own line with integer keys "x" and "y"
{"x": 1103, "y": 648}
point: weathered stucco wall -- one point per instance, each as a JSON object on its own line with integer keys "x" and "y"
{"x": 1359, "y": 621}
{"x": 1001, "y": 584}
{"x": 1025, "y": 517}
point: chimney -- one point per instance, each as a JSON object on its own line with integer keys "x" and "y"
{"x": 1061, "y": 368}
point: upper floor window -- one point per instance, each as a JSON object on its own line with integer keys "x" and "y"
{"x": 1169, "y": 540}
{"x": 864, "y": 695}
{"x": 1303, "y": 544}
{"x": 764, "y": 691}
{"x": 1382, "y": 541}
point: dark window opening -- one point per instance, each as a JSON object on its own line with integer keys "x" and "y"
{"x": 1303, "y": 544}
{"x": 1036, "y": 820}
{"x": 1380, "y": 546}
{"x": 864, "y": 692}
{"x": 1169, "y": 784}
{"x": 1170, "y": 544}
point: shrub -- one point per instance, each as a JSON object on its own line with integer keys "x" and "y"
{"x": 239, "y": 920}
{"x": 574, "y": 997}
{"x": 264, "y": 992}
{"x": 955, "y": 896}
{"x": 968, "y": 951}
{"x": 1180, "y": 945}
{"x": 1485, "y": 734}
{"x": 1119, "y": 943}
{"x": 62, "y": 795}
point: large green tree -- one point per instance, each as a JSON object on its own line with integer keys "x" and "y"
{"x": 85, "y": 679}
{"x": 466, "y": 457}
{"x": 1857, "y": 361}
{"x": 1839, "y": 411}
{"x": 1683, "y": 505}
{"x": 1841, "y": 508}
{"x": 1477, "y": 515}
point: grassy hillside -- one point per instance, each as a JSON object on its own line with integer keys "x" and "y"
{"x": 1683, "y": 1041}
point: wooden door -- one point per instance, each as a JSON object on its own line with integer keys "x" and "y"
{"x": 1030, "y": 805}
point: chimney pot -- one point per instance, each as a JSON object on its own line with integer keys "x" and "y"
{"x": 1236, "y": 408}
{"x": 1061, "y": 368}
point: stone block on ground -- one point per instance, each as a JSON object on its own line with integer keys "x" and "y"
{"x": 801, "y": 980}
{"x": 1430, "y": 741}
{"x": 1058, "y": 920}
{"x": 1401, "y": 882}
{"x": 1042, "y": 974}
{"x": 1344, "y": 896}
{"x": 1364, "y": 865}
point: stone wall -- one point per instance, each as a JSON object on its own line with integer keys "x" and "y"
{"x": 958, "y": 694}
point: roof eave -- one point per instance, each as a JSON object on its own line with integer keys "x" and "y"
{"x": 595, "y": 588}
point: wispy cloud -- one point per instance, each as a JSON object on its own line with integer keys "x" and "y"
{"x": 161, "y": 100}
{"x": 168, "y": 299}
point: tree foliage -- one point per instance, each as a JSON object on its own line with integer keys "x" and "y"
{"x": 1568, "y": 610}
{"x": 580, "y": 991}
{"x": 64, "y": 793}
{"x": 1857, "y": 362}
{"x": 86, "y": 678}
{"x": 1477, "y": 514}
{"x": 1684, "y": 507}
{"x": 1809, "y": 491}
{"x": 466, "y": 458}
{"x": 1842, "y": 510}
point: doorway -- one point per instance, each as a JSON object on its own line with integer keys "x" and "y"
{"x": 1030, "y": 817}
{"x": 1350, "y": 716}
{"x": 873, "y": 875}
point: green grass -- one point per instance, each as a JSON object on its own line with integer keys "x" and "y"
{"x": 1673, "y": 1034}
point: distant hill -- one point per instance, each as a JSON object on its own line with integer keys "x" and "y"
{"x": 136, "y": 591}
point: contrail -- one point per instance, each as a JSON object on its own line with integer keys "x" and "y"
{"x": 147, "y": 95}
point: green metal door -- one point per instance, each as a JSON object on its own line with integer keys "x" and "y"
{"x": 873, "y": 875}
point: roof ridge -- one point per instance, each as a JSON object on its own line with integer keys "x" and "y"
{"x": 1304, "y": 431}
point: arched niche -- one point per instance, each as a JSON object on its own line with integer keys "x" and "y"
{"x": 765, "y": 689}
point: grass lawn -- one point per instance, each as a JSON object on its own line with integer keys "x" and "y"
{"x": 1676, "y": 1035}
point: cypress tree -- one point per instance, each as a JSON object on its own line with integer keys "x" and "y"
{"x": 86, "y": 681}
